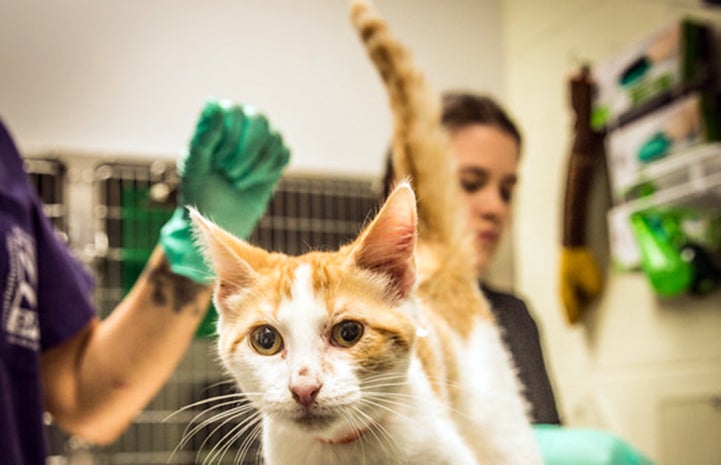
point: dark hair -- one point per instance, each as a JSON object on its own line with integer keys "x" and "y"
{"x": 461, "y": 109}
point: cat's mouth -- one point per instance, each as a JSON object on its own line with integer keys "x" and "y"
{"x": 313, "y": 421}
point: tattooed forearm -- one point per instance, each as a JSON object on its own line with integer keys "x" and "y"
{"x": 171, "y": 289}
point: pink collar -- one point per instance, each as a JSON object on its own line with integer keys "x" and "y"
{"x": 352, "y": 436}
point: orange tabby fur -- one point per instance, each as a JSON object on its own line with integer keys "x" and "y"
{"x": 420, "y": 153}
{"x": 268, "y": 278}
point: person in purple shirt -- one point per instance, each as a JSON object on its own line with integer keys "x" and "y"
{"x": 94, "y": 376}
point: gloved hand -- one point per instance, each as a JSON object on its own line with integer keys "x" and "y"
{"x": 232, "y": 165}
{"x": 580, "y": 280}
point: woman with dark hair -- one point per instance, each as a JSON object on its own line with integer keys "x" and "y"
{"x": 485, "y": 146}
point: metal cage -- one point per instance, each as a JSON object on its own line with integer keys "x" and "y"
{"x": 131, "y": 201}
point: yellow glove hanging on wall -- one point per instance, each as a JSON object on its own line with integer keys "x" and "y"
{"x": 580, "y": 280}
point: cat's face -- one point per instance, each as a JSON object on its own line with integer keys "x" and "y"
{"x": 317, "y": 340}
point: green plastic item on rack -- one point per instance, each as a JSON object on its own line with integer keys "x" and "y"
{"x": 661, "y": 260}
{"x": 706, "y": 275}
{"x": 656, "y": 147}
{"x": 644, "y": 189}
{"x": 635, "y": 71}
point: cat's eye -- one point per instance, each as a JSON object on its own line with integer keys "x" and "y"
{"x": 346, "y": 333}
{"x": 266, "y": 340}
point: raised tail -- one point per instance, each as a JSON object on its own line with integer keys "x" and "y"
{"x": 420, "y": 145}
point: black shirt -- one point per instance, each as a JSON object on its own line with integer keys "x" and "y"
{"x": 520, "y": 334}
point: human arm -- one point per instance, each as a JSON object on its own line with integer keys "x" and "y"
{"x": 97, "y": 381}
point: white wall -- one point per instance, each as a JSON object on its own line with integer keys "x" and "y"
{"x": 130, "y": 77}
{"x": 635, "y": 364}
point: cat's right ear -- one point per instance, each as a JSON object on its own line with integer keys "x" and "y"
{"x": 233, "y": 259}
{"x": 387, "y": 245}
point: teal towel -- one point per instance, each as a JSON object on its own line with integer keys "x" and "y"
{"x": 562, "y": 445}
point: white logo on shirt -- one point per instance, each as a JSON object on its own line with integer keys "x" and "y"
{"x": 20, "y": 317}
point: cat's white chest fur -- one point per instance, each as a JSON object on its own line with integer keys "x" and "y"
{"x": 487, "y": 426}
{"x": 417, "y": 430}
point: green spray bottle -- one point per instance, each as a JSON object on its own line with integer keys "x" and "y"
{"x": 656, "y": 235}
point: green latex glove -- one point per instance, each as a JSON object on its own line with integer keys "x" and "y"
{"x": 585, "y": 446}
{"x": 232, "y": 165}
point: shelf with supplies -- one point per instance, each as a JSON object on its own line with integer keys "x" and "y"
{"x": 658, "y": 104}
{"x": 688, "y": 179}
{"x": 683, "y": 176}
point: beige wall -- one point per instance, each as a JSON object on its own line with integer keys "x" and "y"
{"x": 637, "y": 365}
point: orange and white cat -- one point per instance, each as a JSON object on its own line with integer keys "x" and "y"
{"x": 385, "y": 351}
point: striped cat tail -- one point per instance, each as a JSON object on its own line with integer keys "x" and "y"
{"x": 420, "y": 144}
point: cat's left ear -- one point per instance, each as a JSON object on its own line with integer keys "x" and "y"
{"x": 387, "y": 245}
{"x": 233, "y": 259}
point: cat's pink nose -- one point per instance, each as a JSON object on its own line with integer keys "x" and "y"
{"x": 305, "y": 394}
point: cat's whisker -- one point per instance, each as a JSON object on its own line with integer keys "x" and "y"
{"x": 187, "y": 436}
{"x": 202, "y": 402}
{"x": 385, "y": 383}
{"x": 228, "y": 439}
{"x": 220, "y": 446}
{"x": 383, "y": 399}
{"x": 217, "y": 384}
{"x": 354, "y": 423}
{"x": 242, "y": 452}
{"x": 188, "y": 433}
{"x": 382, "y": 376}
{"x": 227, "y": 415}
{"x": 223, "y": 444}
{"x": 374, "y": 402}
{"x": 215, "y": 417}
{"x": 249, "y": 440}
{"x": 358, "y": 416}
{"x": 391, "y": 404}
{"x": 397, "y": 395}
{"x": 402, "y": 396}
{"x": 384, "y": 438}
{"x": 259, "y": 450}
